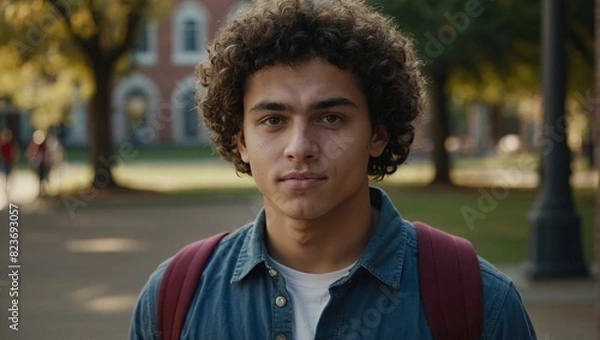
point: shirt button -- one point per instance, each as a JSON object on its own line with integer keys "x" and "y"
{"x": 272, "y": 272}
{"x": 280, "y": 301}
{"x": 280, "y": 337}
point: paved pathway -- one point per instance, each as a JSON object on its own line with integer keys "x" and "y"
{"x": 80, "y": 277}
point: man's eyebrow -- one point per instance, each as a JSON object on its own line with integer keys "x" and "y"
{"x": 270, "y": 106}
{"x": 332, "y": 102}
{"x": 319, "y": 105}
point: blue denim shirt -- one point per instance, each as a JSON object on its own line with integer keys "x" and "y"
{"x": 237, "y": 296}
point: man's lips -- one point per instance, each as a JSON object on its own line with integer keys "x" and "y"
{"x": 302, "y": 180}
{"x": 297, "y": 175}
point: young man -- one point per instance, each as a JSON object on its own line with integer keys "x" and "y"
{"x": 311, "y": 98}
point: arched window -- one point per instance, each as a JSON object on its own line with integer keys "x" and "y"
{"x": 136, "y": 108}
{"x": 135, "y": 103}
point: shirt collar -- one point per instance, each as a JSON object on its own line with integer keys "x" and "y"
{"x": 383, "y": 256}
{"x": 253, "y": 249}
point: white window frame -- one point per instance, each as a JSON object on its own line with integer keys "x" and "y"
{"x": 189, "y": 11}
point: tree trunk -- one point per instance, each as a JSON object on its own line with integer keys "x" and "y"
{"x": 440, "y": 128}
{"x": 101, "y": 136}
{"x": 596, "y": 137}
{"x": 496, "y": 123}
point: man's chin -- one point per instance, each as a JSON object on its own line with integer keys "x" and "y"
{"x": 303, "y": 213}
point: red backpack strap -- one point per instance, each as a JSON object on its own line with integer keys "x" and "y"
{"x": 450, "y": 283}
{"x": 178, "y": 285}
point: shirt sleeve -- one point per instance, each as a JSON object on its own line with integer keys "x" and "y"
{"x": 513, "y": 321}
{"x": 144, "y": 325}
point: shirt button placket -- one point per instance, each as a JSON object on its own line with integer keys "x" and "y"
{"x": 280, "y": 301}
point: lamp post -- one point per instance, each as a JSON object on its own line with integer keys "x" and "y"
{"x": 555, "y": 227}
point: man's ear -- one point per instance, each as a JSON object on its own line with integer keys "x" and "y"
{"x": 241, "y": 145}
{"x": 379, "y": 140}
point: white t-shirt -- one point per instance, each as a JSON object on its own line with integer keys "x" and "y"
{"x": 309, "y": 294}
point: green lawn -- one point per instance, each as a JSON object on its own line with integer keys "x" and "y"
{"x": 500, "y": 231}
{"x": 168, "y": 152}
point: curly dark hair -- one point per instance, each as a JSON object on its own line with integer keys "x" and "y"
{"x": 347, "y": 33}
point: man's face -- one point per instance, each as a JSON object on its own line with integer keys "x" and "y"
{"x": 307, "y": 137}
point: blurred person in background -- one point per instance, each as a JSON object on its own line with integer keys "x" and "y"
{"x": 56, "y": 158}
{"x": 9, "y": 154}
{"x": 38, "y": 156}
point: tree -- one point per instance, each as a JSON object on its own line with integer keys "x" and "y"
{"x": 38, "y": 70}
{"x": 95, "y": 34}
{"x": 103, "y": 32}
{"x": 42, "y": 86}
{"x": 448, "y": 34}
{"x": 488, "y": 50}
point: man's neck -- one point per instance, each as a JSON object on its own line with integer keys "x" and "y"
{"x": 321, "y": 245}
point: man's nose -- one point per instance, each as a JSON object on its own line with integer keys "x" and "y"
{"x": 302, "y": 143}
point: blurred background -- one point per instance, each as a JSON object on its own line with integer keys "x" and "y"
{"x": 111, "y": 168}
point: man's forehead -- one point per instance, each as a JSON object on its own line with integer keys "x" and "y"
{"x": 312, "y": 72}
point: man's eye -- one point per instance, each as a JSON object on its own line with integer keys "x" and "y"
{"x": 332, "y": 119}
{"x": 272, "y": 121}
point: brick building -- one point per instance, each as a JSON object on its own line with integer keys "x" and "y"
{"x": 155, "y": 103}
